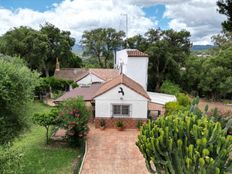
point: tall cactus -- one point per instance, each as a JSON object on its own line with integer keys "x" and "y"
{"x": 185, "y": 143}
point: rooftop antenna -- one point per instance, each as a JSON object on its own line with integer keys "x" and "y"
{"x": 126, "y": 16}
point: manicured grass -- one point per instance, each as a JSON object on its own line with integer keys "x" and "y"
{"x": 39, "y": 158}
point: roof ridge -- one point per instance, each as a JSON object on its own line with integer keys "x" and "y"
{"x": 121, "y": 79}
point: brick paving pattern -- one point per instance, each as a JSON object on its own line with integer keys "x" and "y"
{"x": 113, "y": 152}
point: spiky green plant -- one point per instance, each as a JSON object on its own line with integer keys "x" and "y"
{"x": 185, "y": 143}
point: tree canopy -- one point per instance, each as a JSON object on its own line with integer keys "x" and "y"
{"x": 40, "y": 48}
{"x": 167, "y": 52}
{"x": 210, "y": 76}
{"x": 225, "y": 7}
{"x": 102, "y": 43}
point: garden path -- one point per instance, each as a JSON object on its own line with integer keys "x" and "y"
{"x": 113, "y": 152}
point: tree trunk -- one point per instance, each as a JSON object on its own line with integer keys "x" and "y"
{"x": 47, "y": 136}
{"x": 157, "y": 87}
{"x": 46, "y": 72}
{"x": 99, "y": 61}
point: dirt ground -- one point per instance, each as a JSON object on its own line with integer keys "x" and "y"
{"x": 220, "y": 105}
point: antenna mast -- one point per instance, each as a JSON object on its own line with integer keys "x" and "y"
{"x": 126, "y": 15}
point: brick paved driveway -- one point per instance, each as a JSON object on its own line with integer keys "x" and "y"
{"x": 113, "y": 152}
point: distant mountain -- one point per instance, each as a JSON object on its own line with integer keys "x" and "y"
{"x": 201, "y": 47}
{"x": 77, "y": 49}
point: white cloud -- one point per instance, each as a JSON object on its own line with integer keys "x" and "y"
{"x": 79, "y": 15}
{"x": 200, "y": 17}
{"x": 197, "y": 16}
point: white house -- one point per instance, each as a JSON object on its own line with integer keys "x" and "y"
{"x": 121, "y": 99}
{"x": 119, "y": 93}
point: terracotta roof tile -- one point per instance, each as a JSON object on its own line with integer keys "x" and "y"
{"x": 136, "y": 53}
{"x": 86, "y": 92}
{"x": 74, "y": 74}
{"x": 122, "y": 79}
{"x": 77, "y": 74}
{"x": 105, "y": 74}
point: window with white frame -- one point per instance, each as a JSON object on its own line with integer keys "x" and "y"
{"x": 120, "y": 110}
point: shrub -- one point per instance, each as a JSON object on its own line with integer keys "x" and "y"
{"x": 171, "y": 107}
{"x": 17, "y": 84}
{"x": 185, "y": 143}
{"x": 139, "y": 124}
{"x": 102, "y": 123}
{"x": 183, "y": 99}
{"x": 119, "y": 124}
{"x": 46, "y": 120}
{"x": 169, "y": 88}
{"x": 10, "y": 160}
{"x": 74, "y": 116}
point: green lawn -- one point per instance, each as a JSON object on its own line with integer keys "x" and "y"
{"x": 40, "y": 158}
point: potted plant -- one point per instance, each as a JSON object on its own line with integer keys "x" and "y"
{"x": 119, "y": 125}
{"x": 139, "y": 124}
{"x": 102, "y": 124}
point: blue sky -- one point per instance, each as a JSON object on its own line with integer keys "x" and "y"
{"x": 157, "y": 12}
{"x": 200, "y": 17}
{"x": 38, "y": 5}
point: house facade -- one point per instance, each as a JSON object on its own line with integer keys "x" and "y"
{"x": 116, "y": 94}
{"x": 121, "y": 99}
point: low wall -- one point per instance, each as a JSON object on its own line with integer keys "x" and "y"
{"x": 129, "y": 123}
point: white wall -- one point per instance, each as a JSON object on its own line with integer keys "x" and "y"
{"x": 121, "y": 56}
{"x": 89, "y": 79}
{"x": 137, "y": 68}
{"x": 103, "y": 103}
{"x": 134, "y": 67}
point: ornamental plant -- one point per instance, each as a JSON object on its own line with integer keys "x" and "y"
{"x": 74, "y": 117}
{"x": 185, "y": 143}
{"x": 46, "y": 120}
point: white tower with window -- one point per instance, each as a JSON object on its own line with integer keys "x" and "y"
{"x": 134, "y": 64}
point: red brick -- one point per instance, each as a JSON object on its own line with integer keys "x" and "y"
{"x": 129, "y": 123}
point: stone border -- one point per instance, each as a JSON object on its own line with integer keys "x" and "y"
{"x": 84, "y": 156}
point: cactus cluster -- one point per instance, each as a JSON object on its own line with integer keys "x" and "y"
{"x": 184, "y": 143}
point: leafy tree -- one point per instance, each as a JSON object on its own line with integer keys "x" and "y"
{"x": 191, "y": 75}
{"x": 102, "y": 43}
{"x": 40, "y": 48}
{"x": 136, "y": 42}
{"x": 52, "y": 84}
{"x": 170, "y": 88}
{"x": 167, "y": 52}
{"x": 46, "y": 120}
{"x": 59, "y": 46}
{"x": 17, "y": 84}
{"x": 74, "y": 116}
{"x": 225, "y": 7}
{"x": 185, "y": 143}
{"x": 216, "y": 75}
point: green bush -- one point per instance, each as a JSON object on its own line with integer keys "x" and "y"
{"x": 17, "y": 84}
{"x": 169, "y": 88}
{"x": 185, "y": 143}
{"x": 183, "y": 103}
{"x": 171, "y": 107}
{"x": 119, "y": 124}
{"x": 10, "y": 160}
{"x": 74, "y": 116}
{"x": 183, "y": 99}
